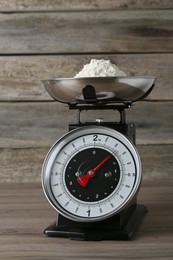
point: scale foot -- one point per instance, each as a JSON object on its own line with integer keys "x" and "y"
{"x": 102, "y": 231}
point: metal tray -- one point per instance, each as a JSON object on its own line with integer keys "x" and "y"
{"x": 107, "y": 89}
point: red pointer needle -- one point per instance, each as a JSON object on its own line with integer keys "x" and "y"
{"x": 83, "y": 181}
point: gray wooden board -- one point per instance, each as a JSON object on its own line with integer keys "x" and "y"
{"x": 20, "y": 76}
{"x": 25, "y": 165}
{"x": 63, "y": 36}
{"x": 32, "y": 5}
{"x": 87, "y": 32}
{"x": 25, "y": 213}
{"x": 40, "y": 124}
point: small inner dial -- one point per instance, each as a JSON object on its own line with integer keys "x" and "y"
{"x": 92, "y": 174}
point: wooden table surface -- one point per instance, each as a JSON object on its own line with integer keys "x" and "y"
{"x": 25, "y": 213}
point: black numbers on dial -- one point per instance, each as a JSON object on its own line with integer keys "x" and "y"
{"x": 95, "y": 138}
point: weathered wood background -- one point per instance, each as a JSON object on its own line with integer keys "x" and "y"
{"x": 44, "y": 39}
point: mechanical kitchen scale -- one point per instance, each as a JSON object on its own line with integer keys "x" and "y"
{"x": 91, "y": 176}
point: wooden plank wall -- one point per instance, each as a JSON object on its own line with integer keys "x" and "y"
{"x": 44, "y": 39}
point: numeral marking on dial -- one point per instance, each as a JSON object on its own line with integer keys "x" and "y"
{"x": 89, "y": 212}
{"x": 97, "y": 196}
{"x": 95, "y": 138}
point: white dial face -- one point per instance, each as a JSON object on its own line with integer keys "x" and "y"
{"x": 91, "y": 173}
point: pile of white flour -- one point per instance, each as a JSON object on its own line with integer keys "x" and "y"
{"x": 99, "y": 68}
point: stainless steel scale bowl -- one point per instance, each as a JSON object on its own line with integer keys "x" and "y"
{"x": 107, "y": 89}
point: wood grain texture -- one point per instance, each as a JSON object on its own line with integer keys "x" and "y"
{"x": 46, "y": 39}
{"x": 20, "y": 76}
{"x": 26, "y": 125}
{"x": 28, "y": 130}
{"x": 24, "y": 165}
{"x": 41, "y": 39}
{"x": 25, "y": 214}
{"x": 75, "y": 32}
{"x": 58, "y": 5}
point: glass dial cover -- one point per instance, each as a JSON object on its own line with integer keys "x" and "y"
{"x": 91, "y": 174}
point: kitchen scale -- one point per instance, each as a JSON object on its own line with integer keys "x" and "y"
{"x": 91, "y": 176}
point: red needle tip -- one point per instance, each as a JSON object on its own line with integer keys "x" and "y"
{"x": 101, "y": 163}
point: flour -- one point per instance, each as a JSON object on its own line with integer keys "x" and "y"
{"x": 99, "y": 68}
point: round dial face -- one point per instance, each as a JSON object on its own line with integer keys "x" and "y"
{"x": 91, "y": 173}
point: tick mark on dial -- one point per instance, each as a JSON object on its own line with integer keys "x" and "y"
{"x": 58, "y": 162}
{"x": 56, "y": 184}
{"x": 128, "y": 163}
{"x": 67, "y": 203}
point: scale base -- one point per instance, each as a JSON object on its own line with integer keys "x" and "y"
{"x": 121, "y": 227}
